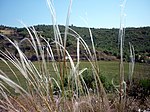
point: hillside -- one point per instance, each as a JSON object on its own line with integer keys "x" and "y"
{"x": 106, "y": 41}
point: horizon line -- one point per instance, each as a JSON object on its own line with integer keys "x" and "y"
{"x": 75, "y": 26}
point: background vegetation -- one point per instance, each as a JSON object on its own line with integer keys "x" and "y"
{"x": 106, "y": 41}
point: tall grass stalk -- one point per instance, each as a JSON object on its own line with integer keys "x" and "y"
{"x": 122, "y": 90}
{"x": 132, "y": 63}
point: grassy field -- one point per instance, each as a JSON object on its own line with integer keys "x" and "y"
{"x": 109, "y": 69}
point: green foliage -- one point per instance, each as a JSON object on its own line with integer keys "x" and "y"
{"x": 107, "y": 83}
{"x": 106, "y": 40}
{"x": 90, "y": 82}
{"x": 88, "y": 78}
{"x": 145, "y": 84}
{"x": 140, "y": 89}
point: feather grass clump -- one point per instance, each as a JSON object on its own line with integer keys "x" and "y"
{"x": 45, "y": 87}
{"x": 40, "y": 92}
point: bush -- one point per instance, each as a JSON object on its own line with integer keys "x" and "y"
{"x": 89, "y": 80}
{"x": 145, "y": 85}
{"x": 140, "y": 89}
{"x": 107, "y": 84}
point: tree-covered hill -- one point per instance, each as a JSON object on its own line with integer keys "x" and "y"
{"x": 106, "y": 40}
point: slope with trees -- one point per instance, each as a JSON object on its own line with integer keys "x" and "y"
{"x": 106, "y": 40}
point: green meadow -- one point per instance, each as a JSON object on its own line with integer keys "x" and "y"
{"x": 109, "y": 69}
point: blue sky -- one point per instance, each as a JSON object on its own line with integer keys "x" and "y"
{"x": 100, "y": 13}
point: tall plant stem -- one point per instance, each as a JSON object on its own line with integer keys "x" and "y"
{"x": 121, "y": 40}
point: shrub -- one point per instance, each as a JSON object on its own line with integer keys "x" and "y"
{"x": 107, "y": 84}
{"x": 140, "y": 89}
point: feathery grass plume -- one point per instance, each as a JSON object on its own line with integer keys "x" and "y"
{"x": 96, "y": 73}
{"x": 65, "y": 41}
{"x": 57, "y": 37}
{"x": 121, "y": 42}
{"x": 131, "y": 63}
{"x": 27, "y": 71}
{"x": 93, "y": 61}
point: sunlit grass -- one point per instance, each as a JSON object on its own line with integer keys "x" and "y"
{"x": 107, "y": 68}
